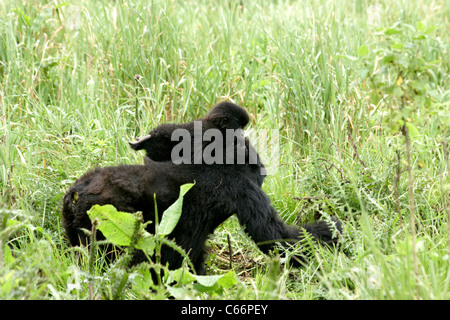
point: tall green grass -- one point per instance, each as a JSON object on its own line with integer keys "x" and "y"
{"x": 80, "y": 79}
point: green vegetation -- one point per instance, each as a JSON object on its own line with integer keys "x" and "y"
{"x": 360, "y": 94}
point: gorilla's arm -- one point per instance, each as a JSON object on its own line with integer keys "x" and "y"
{"x": 261, "y": 221}
{"x": 264, "y": 226}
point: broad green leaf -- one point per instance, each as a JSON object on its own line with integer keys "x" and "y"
{"x": 7, "y": 255}
{"x": 115, "y": 225}
{"x": 172, "y": 214}
{"x": 211, "y": 284}
{"x": 390, "y": 31}
{"x": 146, "y": 242}
{"x": 420, "y": 26}
{"x": 143, "y": 279}
{"x": 430, "y": 29}
{"x": 118, "y": 227}
{"x": 398, "y": 46}
{"x": 182, "y": 276}
{"x": 389, "y": 58}
{"x": 363, "y": 51}
{"x": 228, "y": 280}
{"x": 208, "y": 281}
{"x": 216, "y": 283}
{"x": 419, "y": 37}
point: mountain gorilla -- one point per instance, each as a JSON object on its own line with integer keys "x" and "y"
{"x": 220, "y": 191}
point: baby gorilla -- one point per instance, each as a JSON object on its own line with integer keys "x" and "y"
{"x": 160, "y": 142}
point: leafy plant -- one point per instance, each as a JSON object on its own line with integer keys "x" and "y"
{"x": 402, "y": 70}
{"x": 127, "y": 229}
{"x": 403, "y": 73}
{"x": 172, "y": 214}
{"x": 120, "y": 227}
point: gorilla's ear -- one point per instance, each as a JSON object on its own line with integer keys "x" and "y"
{"x": 220, "y": 121}
{"x": 139, "y": 144}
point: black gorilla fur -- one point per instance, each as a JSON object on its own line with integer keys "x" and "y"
{"x": 220, "y": 191}
{"x": 158, "y": 143}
